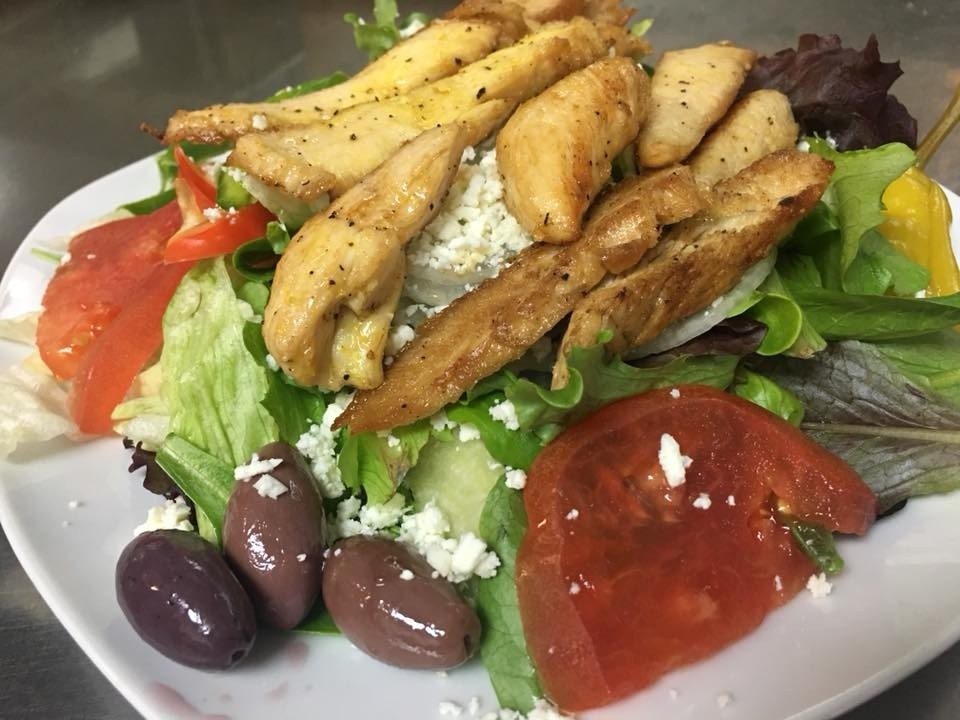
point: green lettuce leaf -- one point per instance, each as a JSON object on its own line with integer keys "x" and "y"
{"x": 514, "y": 448}
{"x": 899, "y": 433}
{"x": 842, "y": 316}
{"x": 215, "y": 396}
{"x": 318, "y": 622}
{"x": 855, "y": 190}
{"x": 880, "y": 268}
{"x": 206, "y": 480}
{"x": 376, "y": 37}
{"x": 256, "y": 260}
{"x": 363, "y": 464}
{"x": 767, "y": 394}
{"x": 503, "y": 650}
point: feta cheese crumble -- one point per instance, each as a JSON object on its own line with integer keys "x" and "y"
{"x": 272, "y": 362}
{"x": 455, "y": 559}
{"x": 673, "y": 463}
{"x": 441, "y": 422}
{"x": 674, "y": 393}
{"x": 399, "y": 336}
{"x": 468, "y": 432}
{"x": 506, "y": 413}
{"x": 573, "y": 514}
{"x": 319, "y": 446}
{"x": 450, "y": 709}
{"x": 259, "y": 122}
{"x": 702, "y": 502}
{"x": 302, "y": 557}
{"x": 73, "y": 504}
{"x": 819, "y": 586}
{"x": 574, "y": 588}
{"x": 171, "y": 515}
{"x": 472, "y": 237}
{"x": 353, "y": 518}
{"x": 269, "y": 487}
{"x": 777, "y": 583}
{"x": 212, "y": 214}
{"x": 406, "y": 574}
{"x": 255, "y": 467}
{"x": 724, "y": 699}
{"x": 516, "y": 479}
{"x": 731, "y": 501}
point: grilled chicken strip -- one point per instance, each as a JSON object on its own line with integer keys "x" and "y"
{"x": 484, "y": 330}
{"x": 556, "y": 152}
{"x": 691, "y": 90}
{"x": 436, "y": 52}
{"x": 759, "y": 124}
{"x": 332, "y": 156}
{"x": 701, "y": 258}
{"x": 336, "y": 287}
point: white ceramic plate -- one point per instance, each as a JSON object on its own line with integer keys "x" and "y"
{"x": 895, "y": 607}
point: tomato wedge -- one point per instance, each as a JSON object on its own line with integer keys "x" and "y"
{"x": 109, "y": 368}
{"x": 220, "y": 236}
{"x": 108, "y": 264}
{"x": 622, "y": 578}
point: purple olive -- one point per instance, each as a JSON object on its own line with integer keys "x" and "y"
{"x": 275, "y": 544}
{"x": 387, "y": 602}
{"x": 177, "y": 592}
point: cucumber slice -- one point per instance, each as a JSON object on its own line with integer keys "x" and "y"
{"x": 457, "y": 476}
{"x": 231, "y": 193}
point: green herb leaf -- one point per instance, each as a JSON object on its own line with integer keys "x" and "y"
{"x": 149, "y": 204}
{"x": 309, "y": 86}
{"x": 206, "y": 480}
{"x": 503, "y": 650}
{"x": 514, "y": 448}
{"x": 767, "y": 394}
{"x": 818, "y": 544}
{"x": 318, "y": 622}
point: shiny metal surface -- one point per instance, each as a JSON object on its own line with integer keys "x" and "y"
{"x": 77, "y": 77}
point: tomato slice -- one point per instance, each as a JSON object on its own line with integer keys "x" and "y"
{"x": 187, "y": 170}
{"x": 107, "y": 265}
{"x": 621, "y": 578}
{"x": 218, "y": 237}
{"x": 109, "y": 368}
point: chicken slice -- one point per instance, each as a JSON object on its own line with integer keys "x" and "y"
{"x": 337, "y": 285}
{"x": 485, "y": 329}
{"x": 691, "y": 90}
{"x": 759, "y": 124}
{"x": 332, "y": 156}
{"x": 436, "y": 52}
{"x": 700, "y": 258}
{"x": 556, "y": 152}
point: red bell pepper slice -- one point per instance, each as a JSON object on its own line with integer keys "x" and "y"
{"x": 203, "y": 190}
{"x": 220, "y": 236}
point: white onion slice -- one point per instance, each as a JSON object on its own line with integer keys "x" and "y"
{"x": 695, "y": 325}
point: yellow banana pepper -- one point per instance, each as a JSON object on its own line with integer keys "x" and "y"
{"x": 918, "y": 225}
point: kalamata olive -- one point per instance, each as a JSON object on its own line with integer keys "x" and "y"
{"x": 274, "y": 542}
{"x": 179, "y": 595}
{"x": 385, "y": 600}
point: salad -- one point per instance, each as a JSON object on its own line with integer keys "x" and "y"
{"x": 513, "y": 346}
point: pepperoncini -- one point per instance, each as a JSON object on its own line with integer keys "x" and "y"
{"x": 918, "y": 225}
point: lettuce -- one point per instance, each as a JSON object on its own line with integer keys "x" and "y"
{"x": 376, "y": 37}
{"x": 215, "y": 385}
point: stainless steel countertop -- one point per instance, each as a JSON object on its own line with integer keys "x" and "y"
{"x": 77, "y": 77}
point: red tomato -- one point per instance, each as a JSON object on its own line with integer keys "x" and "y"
{"x": 220, "y": 236}
{"x": 203, "y": 190}
{"x": 136, "y": 333}
{"x": 108, "y": 264}
{"x": 638, "y": 581}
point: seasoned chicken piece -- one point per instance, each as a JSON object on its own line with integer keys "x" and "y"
{"x": 759, "y": 124}
{"x": 556, "y": 152}
{"x": 332, "y": 156}
{"x": 437, "y": 51}
{"x": 691, "y": 90}
{"x": 700, "y": 258}
{"x": 336, "y": 287}
{"x": 484, "y": 330}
